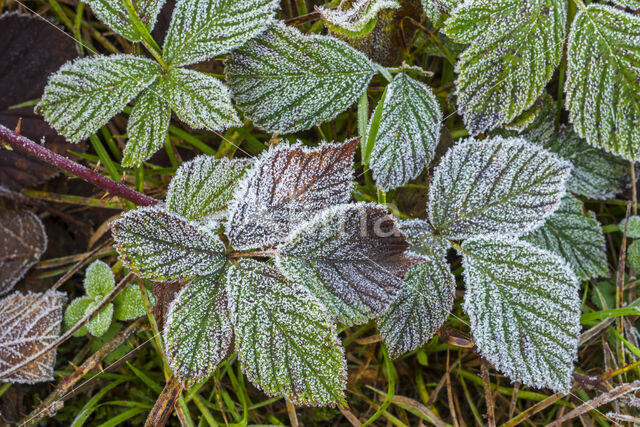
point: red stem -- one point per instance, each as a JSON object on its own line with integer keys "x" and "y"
{"x": 55, "y": 159}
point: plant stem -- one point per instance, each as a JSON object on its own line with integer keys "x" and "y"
{"x": 61, "y": 162}
{"x": 580, "y": 4}
{"x": 146, "y": 38}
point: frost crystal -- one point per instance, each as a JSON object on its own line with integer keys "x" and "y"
{"x": 524, "y": 310}
{"x": 30, "y": 323}
{"x": 632, "y": 4}
{"x": 514, "y": 47}
{"x": 114, "y": 13}
{"x": 408, "y": 133}
{"x": 422, "y": 238}
{"x": 575, "y": 236}
{"x": 164, "y": 246}
{"x": 602, "y": 90}
{"x": 284, "y": 337}
{"x": 74, "y": 313}
{"x": 351, "y": 257}
{"x": 633, "y": 226}
{"x": 198, "y": 332}
{"x": 500, "y": 186}
{"x": 537, "y": 124}
{"x": 437, "y": 9}
{"x": 286, "y": 186}
{"x": 286, "y": 81}
{"x": 98, "y": 280}
{"x": 357, "y": 20}
{"x": 83, "y": 95}
{"x": 100, "y": 322}
{"x": 202, "y": 29}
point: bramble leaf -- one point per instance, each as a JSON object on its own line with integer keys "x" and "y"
{"x": 357, "y": 21}
{"x": 128, "y": 304}
{"x": 351, "y": 257}
{"x": 575, "y": 236}
{"x": 633, "y": 226}
{"x": 536, "y": 124}
{"x": 436, "y": 10}
{"x": 74, "y": 313}
{"x": 83, "y": 95}
{"x": 198, "y": 332}
{"x": 202, "y": 29}
{"x": 408, "y": 133}
{"x": 163, "y": 246}
{"x": 286, "y": 186}
{"x": 524, "y": 310}
{"x": 114, "y": 13}
{"x": 602, "y": 89}
{"x": 500, "y": 186}
{"x": 633, "y": 255}
{"x": 632, "y": 4}
{"x": 100, "y": 322}
{"x": 421, "y": 237}
{"x": 514, "y": 47}
{"x": 284, "y": 337}
{"x": 98, "y": 280}
{"x": 285, "y": 81}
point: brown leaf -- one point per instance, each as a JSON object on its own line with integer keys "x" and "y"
{"x": 29, "y": 323}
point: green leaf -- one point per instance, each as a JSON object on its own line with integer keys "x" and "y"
{"x": 198, "y": 333}
{"x": 284, "y": 337}
{"x": 83, "y": 95}
{"x": 499, "y": 186}
{"x": 359, "y": 19}
{"x": 163, "y": 246}
{"x": 524, "y": 310}
{"x": 633, "y": 255}
{"x": 514, "y": 47}
{"x": 536, "y": 124}
{"x": 437, "y": 10}
{"x": 351, "y": 257}
{"x": 114, "y": 13}
{"x": 148, "y": 125}
{"x": 632, "y": 4}
{"x": 98, "y": 280}
{"x": 74, "y": 312}
{"x": 285, "y": 81}
{"x": 100, "y": 322}
{"x": 202, "y": 29}
{"x": 203, "y": 187}
{"x": 408, "y": 133}
{"x": 575, "y": 236}
{"x": 129, "y": 305}
{"x": 602, "y": 89}
{"x": 633, "y": 229}
{"x": 422, "y": 238}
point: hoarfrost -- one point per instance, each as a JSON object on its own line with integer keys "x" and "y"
{"x": 115, "y": 15}
{"x": 74, "y": 313}
{"x": 632, "y": 4}
{"x": 422, "y": 238}
{"x": 436, "y": 10}
{"x": 98, "y": 279}
{"x": 129, "y": 305}
{"x": 100, "y": 322}
{"x": 357, "y": 20}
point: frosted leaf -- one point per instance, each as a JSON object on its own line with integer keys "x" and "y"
{"x": 632, "y": 226}
{"x": 202, "y": 29}
{"x": 287, "y": 185}
{"x": 499, "y": 186}
{"x": 421, "y": 307}
{"x": 602, "y": 89}
{"x": 98, "y": 280}
{"x": 437, "y": 10}
{"x": 128, "y": 304}
{"x": 359, "y": 19}
{"x": 408, "y": 133}
{"x": 351, "y": 257}
{"x": 198, "y": 332}
{"x": 147, "y": 126}
{"x": 100, "y": 322}
{"x": 632, "y": 4}
{"x": 537, "y": 124}
{"x": 284, "y": 337}
{"x": 114, "y": 13}
{"x": 23, "y": 240}
{"x": 74, "y": 313}
{"x": 30, "y": 323}
{"x": 285, "y": 81}
{"x": 575, "y": 236}
{"x": 514, "y": 47}
{"x": 524, "y": 310}
{"x": 163, "y": 246}
{"x": 204, "y": 186}
{"x": 83, "y": 95}
{"x": 633, "y": 255}
{"x": 421, "y": 237}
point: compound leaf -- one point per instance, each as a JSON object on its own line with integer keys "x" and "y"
{"x": 602, "y": 89}
{"x": 74, "y": 313}
{"x": 358, "y": 20}
{"x": 524, "y": 310}
{"x": 116, "y": 15}
{"x": 351, "y": 257}
{"x": 287, "y": 185}
{"x": 514, "y": 47}
{"x": 83, "y": 95}
{"x": 100, "y": 322}
{"x": 198, "y": 332}
{"x": 284, "y": 337}
{"x": 286, "y": 81}
{"x": 98, "y": 280}
{"x": 202, "y": 29}
{"x": 500, "y": 186}
{"x": 408, "y": 133}
{"x": 160, "y": 245}
{"x": 129, "y": 305}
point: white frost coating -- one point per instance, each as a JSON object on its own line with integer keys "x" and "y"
{"x": 524, "y": 310}
{"x": 84, "y": 94}
{"x": 287, "y": 185}
{"x": 351, "y": 257}
{"x": 30, "y": 323}
{"x": 100, "y": 322}
{"x": 421, "y": 237}
{"x": 499, "y": 186}
{"x": 98, "y": 280}
{"x": 198, "y": 332}
{"x": 114, "y": 13}
{"x": 575, "y": 236}
{"x": 202, "y": 29}
{"x": 284, "y": 337}
{"x": 128, "y": 304}
{"x": 160, "y": 245}
{"x": 147, "y": 126}
{"x": 514, "y": 47}
{"x": 537, "y": 124}
{"x": 357, "y": 19}
{"x": 199, "y": 100}
{"x": 602, "y": 90}
{"x": 632, "y": 4}
{"x": 204, "y": 186}
{"x": 408, "y": 133}
{"x": 437, "y": 9}
{"x": 286, "y": 81}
